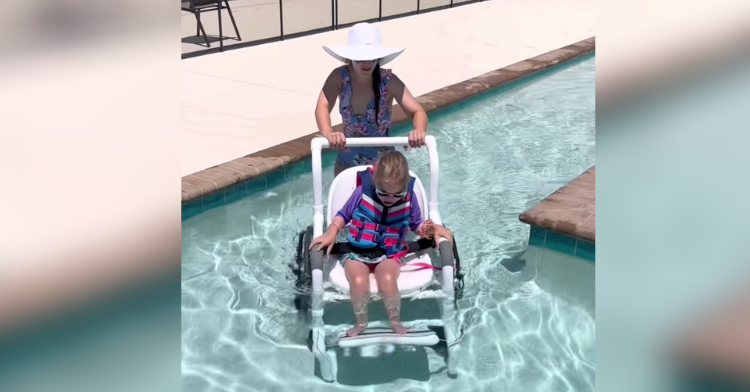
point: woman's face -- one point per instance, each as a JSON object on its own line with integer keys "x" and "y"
{"x": 364, "y": 68}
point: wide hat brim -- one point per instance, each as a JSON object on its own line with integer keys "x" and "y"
{"x": 364, "y": 52}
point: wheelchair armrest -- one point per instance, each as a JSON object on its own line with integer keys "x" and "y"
{"x": 446, "y": 253}
{"x": 316, "y": 259}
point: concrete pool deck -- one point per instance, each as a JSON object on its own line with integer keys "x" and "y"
{"x": 247, "y": 100}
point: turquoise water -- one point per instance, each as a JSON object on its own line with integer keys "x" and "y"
{"x": 529, "y": 331}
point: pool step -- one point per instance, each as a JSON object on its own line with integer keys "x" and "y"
{"x": 414, "y": 337}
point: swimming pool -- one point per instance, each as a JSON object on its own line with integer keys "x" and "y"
{"x": 500, "y": 154}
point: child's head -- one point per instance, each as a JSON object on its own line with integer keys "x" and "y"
{"x": 391, "y": 177}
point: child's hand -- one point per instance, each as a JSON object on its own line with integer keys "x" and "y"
{"x": 427, "y": 229}
{"x": 326, "y": 240}
{"x": 431, "y": 230}
{"x": 440, "y": 231}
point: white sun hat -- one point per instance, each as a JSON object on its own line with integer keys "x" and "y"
{"x": 364, "y": 43}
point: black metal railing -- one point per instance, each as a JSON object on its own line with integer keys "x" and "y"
{"x": 335, "y": 25}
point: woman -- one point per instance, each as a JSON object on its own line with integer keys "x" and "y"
{"x": 364, "y": 89}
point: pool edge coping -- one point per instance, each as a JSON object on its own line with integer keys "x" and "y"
{"x": 218, "y": 178}
{"x": 569, "y": 211}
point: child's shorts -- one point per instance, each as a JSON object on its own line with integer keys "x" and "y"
{"x": 370, "y": 262}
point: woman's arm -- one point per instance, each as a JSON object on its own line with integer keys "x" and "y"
{"x": 327, "y": 98}
{"x": 412, "y": 108}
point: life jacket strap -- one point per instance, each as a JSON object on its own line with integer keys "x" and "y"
{"x": 365, "y": 225}
{"x": 393, "y": 230}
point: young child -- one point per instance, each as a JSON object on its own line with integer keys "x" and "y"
{"x": 379, "y": 213}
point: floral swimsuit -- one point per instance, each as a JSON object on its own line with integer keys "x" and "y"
{"x": 364, "y": 125}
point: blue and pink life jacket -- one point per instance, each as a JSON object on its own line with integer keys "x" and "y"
{"x": 375, "y": 225}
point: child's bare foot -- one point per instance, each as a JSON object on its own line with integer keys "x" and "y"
{"x": 356, "y": 330}
{"x": 398, "y": 328}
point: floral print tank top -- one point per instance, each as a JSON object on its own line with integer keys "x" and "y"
{"x": 364, "y": 125}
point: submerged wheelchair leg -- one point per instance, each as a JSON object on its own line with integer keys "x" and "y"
{"x": 326, "y": 359}
{"x": 448, "y": 310}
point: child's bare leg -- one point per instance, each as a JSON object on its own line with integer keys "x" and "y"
{"x": 358, "y": 275}
{"x": 386, "y": 274}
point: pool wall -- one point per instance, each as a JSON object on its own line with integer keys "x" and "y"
{"x": 235, "y": 179}
{"x": 562, "y": 243}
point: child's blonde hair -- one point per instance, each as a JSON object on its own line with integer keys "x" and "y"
{"x": 393, "y": 169}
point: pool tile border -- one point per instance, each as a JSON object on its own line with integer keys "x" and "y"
{"x": 239, "y": 175}
{"x": 570, "y": 211}
{"x": 547, "y": 239}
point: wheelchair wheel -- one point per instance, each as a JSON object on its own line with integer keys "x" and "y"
{"x": 302, "y": 273}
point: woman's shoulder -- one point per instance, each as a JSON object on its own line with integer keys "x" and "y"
{"x": 391, "y": 78}
{"x": 338, "y": 73}
{"x": 393, "y": 82}
{"x": 335, "y": 79}
{"x": 386, "y": 73}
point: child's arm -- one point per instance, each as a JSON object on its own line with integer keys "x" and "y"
{"x": 426, "y": 229}
{"x": 344, "y": 215}
{"x": 416, "y": 222}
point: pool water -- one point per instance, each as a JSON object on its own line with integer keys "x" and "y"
{"x": 532, "y": 330}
